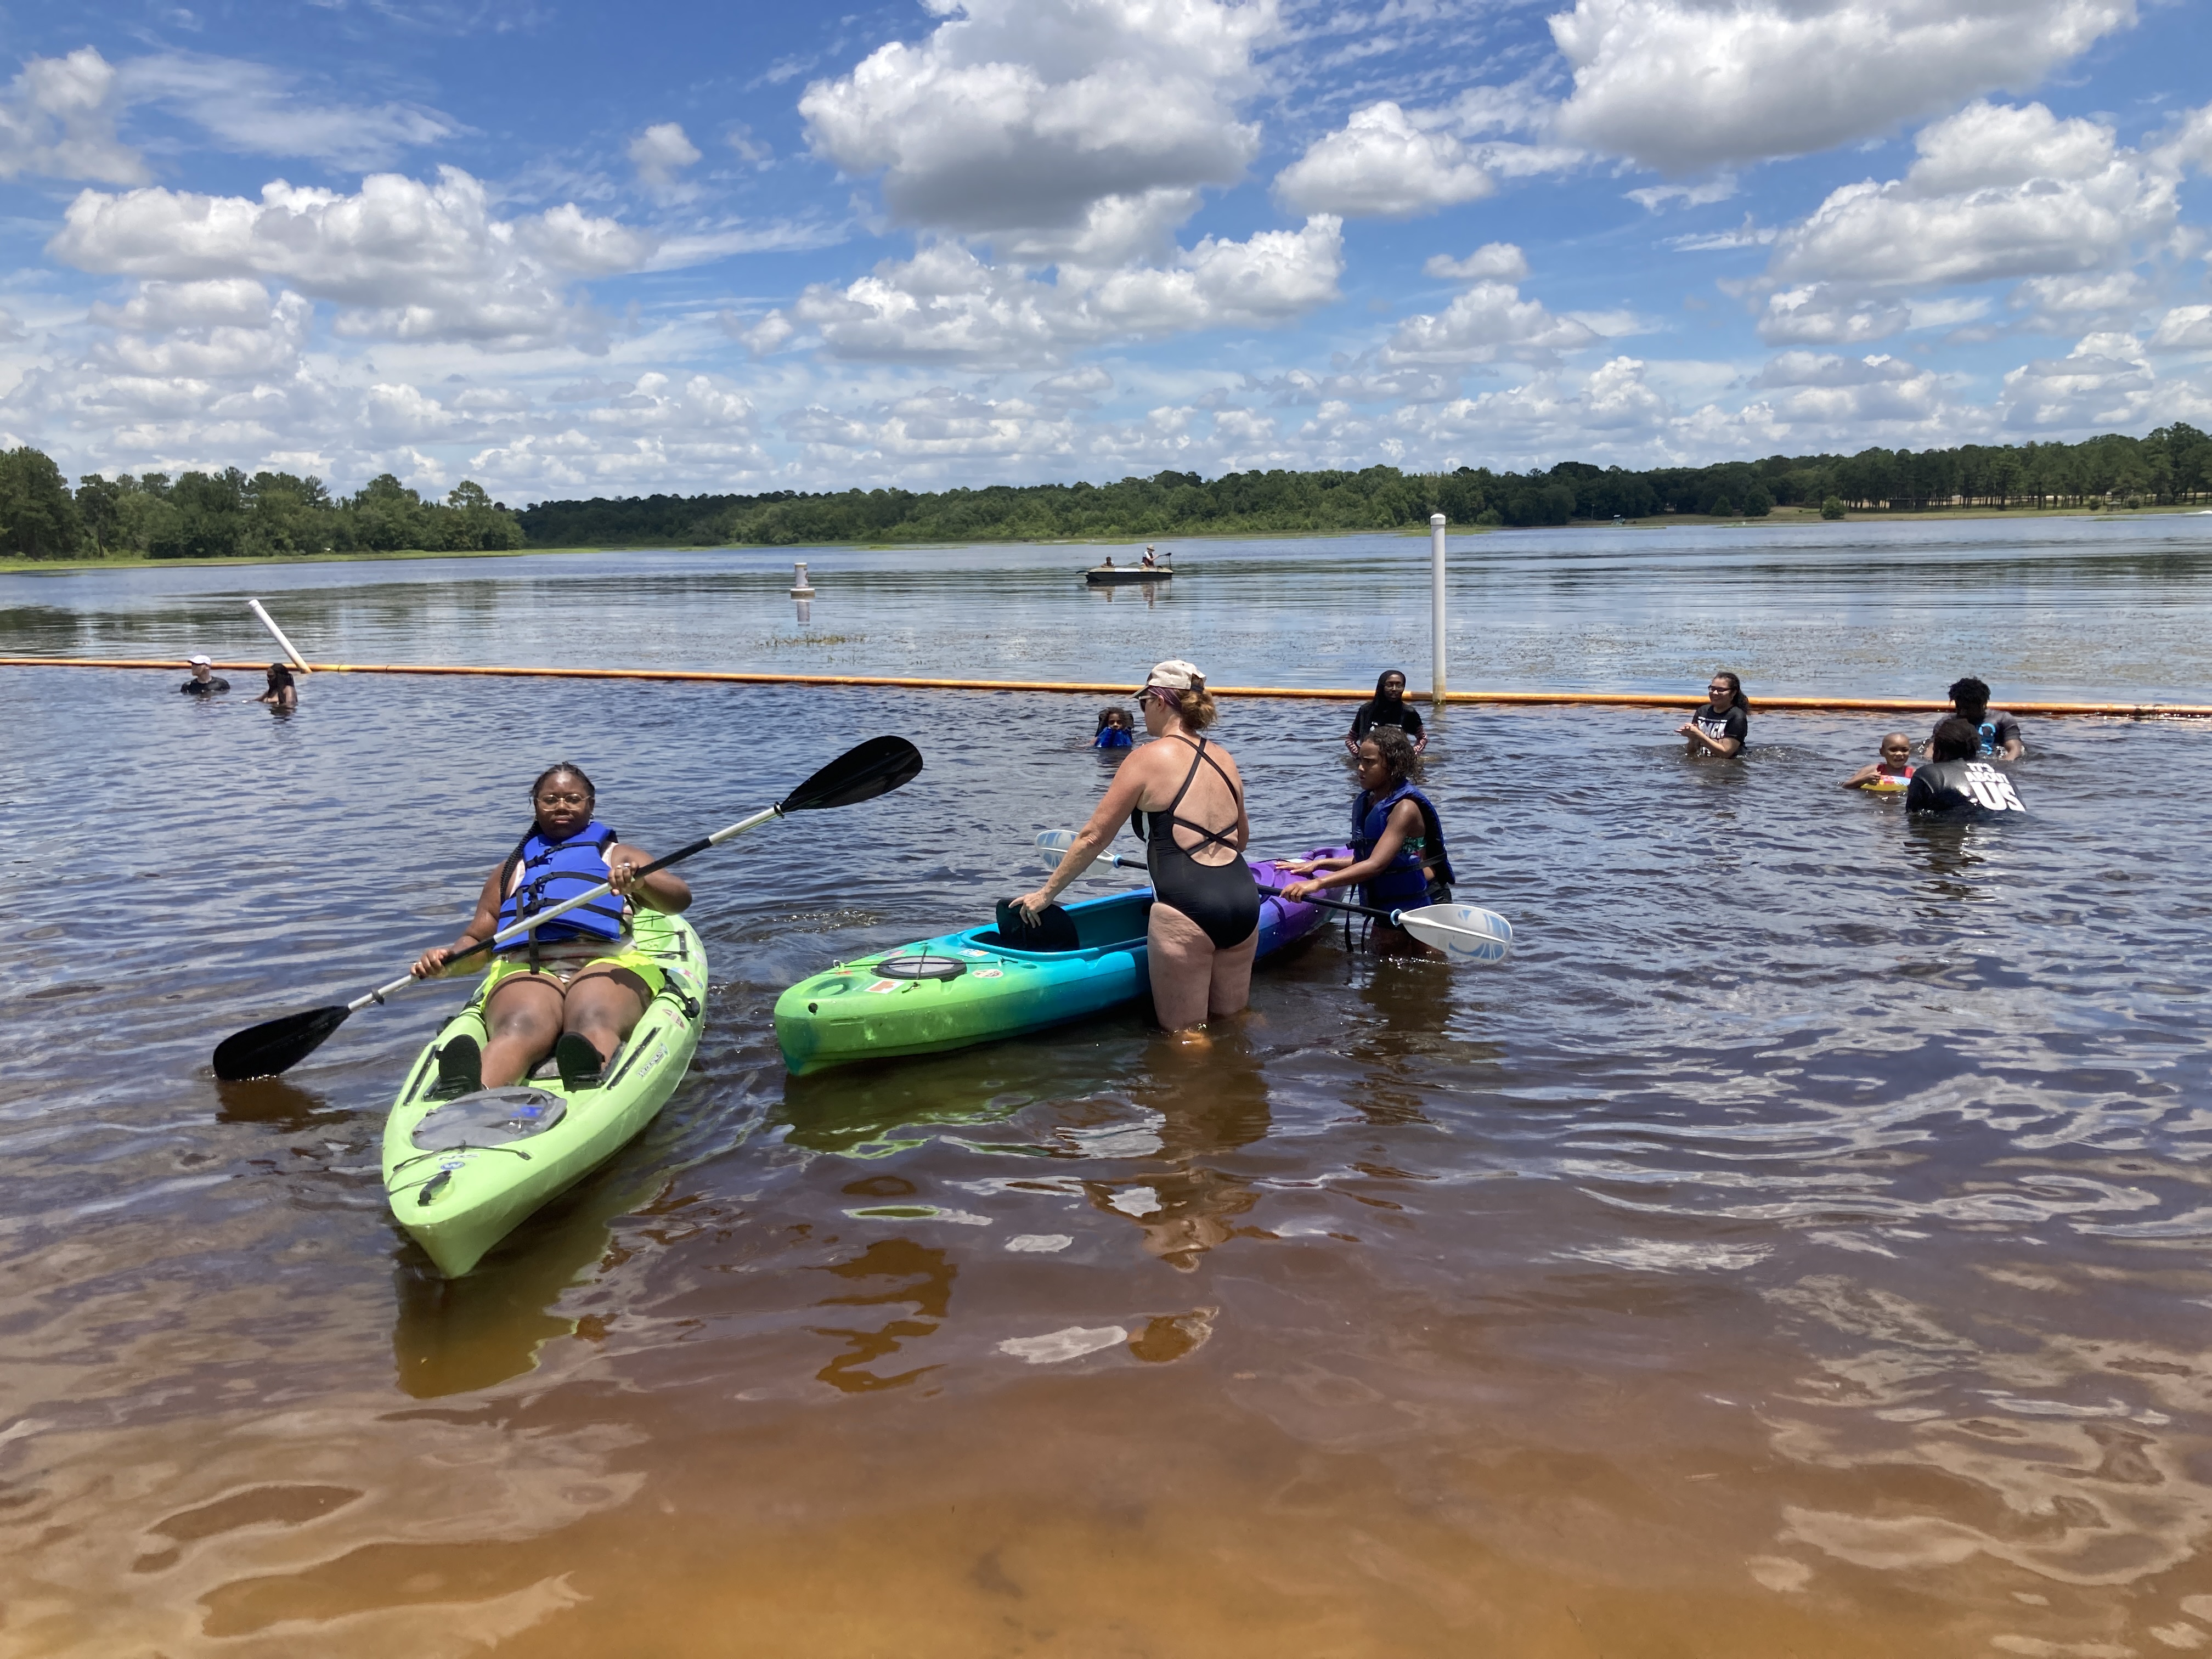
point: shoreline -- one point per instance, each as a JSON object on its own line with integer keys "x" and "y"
{"x": 1793, "y": 516}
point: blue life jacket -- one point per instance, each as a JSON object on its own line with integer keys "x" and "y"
{"x": 552, "y": 871}
{"x": 1113, "y": 736}
{"x": 1402, "y": 884}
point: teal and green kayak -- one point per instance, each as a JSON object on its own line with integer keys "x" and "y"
{"x": 462, "y": 1174}
{"x": 970, "y": 986}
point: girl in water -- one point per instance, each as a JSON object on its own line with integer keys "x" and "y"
{"x": 1724, "y": 725}
{"x": 1114, "y": 731}
{"x": 1889, "y": 774}
{"x": 1183, "y": 796}
{"x": 574, "y": 988}
{"x": 1387, "y": 707}
{"x": 1398, "y": 854}
{"x": 281, "y": 692}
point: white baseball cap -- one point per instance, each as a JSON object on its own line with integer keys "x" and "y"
{"x": 201, "y": 662}
{"x": 1176, "y": 675}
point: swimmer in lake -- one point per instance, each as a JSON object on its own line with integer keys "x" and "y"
{"x": 1398, "y": 858}
{"x": 1956, "y": 784}
{"x": 1114, "y": 730}
{"x": 1892, "y": 773}
{"x": 282, "y": 692}
{"x": 1388, "y": 707}
{"x": 1722, "y": 727}
{"x": 205, "y": 682}
{"x": 1996, "y": 733}
{"x": 577, "y": 987}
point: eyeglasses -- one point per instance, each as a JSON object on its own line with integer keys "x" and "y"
{"x": 550, "y": 799}
{"x": 1720, "y": 688}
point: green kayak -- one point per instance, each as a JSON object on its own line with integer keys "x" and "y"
{"x": 462, "y": 1174}
{"x": 945, "y": 993}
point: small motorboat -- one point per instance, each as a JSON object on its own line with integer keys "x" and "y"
{"x": 1104, "y": 575}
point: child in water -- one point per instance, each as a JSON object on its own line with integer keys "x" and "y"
{"x": 1889, "y": 774}
{"x": 1114, "y": 731}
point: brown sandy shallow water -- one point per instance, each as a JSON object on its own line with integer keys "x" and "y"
{"x": 1798, "y": 1249}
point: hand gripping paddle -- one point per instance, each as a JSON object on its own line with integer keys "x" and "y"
{"x": 874, "y": 768}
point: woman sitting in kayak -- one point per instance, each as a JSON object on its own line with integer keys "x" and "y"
{"x": 1398, "y": 843}
{"x": 573, "y": 988}
{"x": 1182, "y": 795}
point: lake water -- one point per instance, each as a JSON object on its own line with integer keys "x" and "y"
{"x": 1800, "y": 1247}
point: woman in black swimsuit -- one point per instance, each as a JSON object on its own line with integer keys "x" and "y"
{"x": 1182, "y": 794}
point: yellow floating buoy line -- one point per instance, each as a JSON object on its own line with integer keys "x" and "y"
{"x": 1763, "y": 704}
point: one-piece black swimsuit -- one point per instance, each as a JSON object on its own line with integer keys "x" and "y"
{"x": 1223, "y": 899}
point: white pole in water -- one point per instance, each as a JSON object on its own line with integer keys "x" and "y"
{"x": 290, "y": 649}
{"x": 1437, "y": 609}
{"x": 800, "y": 590}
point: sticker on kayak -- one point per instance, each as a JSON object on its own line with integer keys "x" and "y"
{"x": 977, "y": 956}
{"x": 885, "y": 985}
{"x": 990, "y": 973}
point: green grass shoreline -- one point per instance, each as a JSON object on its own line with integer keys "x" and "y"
{"x": 1781, "y": 515}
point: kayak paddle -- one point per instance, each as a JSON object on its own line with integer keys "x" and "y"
{"x": 1465, "y": 933}
{"x": 874, "y": 768}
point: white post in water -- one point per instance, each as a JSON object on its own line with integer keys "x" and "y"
{"x": 800, "y": 590}
{"x": 1437, "y": 609}
{"x": 290, "y": 649}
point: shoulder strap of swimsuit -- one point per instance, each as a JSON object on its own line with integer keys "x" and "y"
{"x": 1216, "y": 837}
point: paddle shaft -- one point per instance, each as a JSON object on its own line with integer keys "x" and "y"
{"x": 585, "y": 897}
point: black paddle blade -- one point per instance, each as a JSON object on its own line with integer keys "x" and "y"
{"x": 862, "y": 772}
{"x": 275, "y": 1045}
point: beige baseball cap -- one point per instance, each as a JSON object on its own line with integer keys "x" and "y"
{"x": 1176, "y": 675}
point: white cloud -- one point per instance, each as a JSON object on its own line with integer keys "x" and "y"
{"x": 1837, "y": 392}
{"x": 1996, "y": 191}
{"x": 1817, "y": 314}
{"x": 57, "y": 121}
{"x": 1501, "y": 262}
{"x": 1682, "y": 85}
{"x": 1019, "y": 115}
{"x": 406, "y": 259}
{"x": 255, "y": 110}
{"x": 944, "y": 304}
{"x": 2103, "y": 382}
{"x": 661, "y": 152}
{"x": 2185, "y": 328}
{"x": 2075, "y": 296}
{"x": 1489, "y": 321}
{"x": 1382, "y": 164}
{"x": 1657, "y": 196}
{"x": 660, "y": 431}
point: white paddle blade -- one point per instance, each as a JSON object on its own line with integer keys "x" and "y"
{"x": 1465, "y": 933}
{"x": 1052, "y": 845}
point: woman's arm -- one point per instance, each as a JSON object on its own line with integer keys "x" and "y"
{"x": 663, "y": 891}
{"x": 1113, "y": 811}
{"x": 1403, "y": 824}
{"x": 1713, "y": 745}
{"x": 482, "y": 925}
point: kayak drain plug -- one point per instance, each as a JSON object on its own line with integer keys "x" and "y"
{"x": 813, "y": 1007}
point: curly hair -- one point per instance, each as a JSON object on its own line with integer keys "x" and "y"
{"x": 1400, "y": 758}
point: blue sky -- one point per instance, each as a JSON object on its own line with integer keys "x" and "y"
{"x": 570, "y": 251}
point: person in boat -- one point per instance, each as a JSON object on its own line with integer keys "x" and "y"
{"x": 1388, "y": 707}
{"x": 1889, "y": 774}
{"x": 1996, "y": 733}
{"x": 1182, "y": 794}
{"x": 1109, "y": 565}
{"x": 1114, "y": 730}
{"x": 1956, "y": 783}
{"x": 282, "y": 692}
{"x": 1722, "y": 727}
{"x": 1151, "y": 563}
{"x": 575, "y": 988}
{"x": 1398, "y": 859}
{"x": 205, "y": 682}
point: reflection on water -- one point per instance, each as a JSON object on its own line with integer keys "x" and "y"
{"x": 1799, "y": 1247}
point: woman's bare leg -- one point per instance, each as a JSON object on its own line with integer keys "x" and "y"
{"x": 604, "y": 1004}
{"x": 524, "y": 1017}
{"x": 1181, "y": 963}
{"x": 1230, "y": 989}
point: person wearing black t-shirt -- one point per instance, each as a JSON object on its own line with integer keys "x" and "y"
{"x": 1724, "y": 725}
{"x": 1388, "y": 707}
{"x": 1956, "y": 783}
{"x": 205, "y": 682}
{"x": 1997, "y": 734}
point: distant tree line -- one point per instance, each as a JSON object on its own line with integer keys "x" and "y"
{"x": 198, "y": 515}
{"x": 207, "y": 514}
{"x": 2173, "y": 464}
